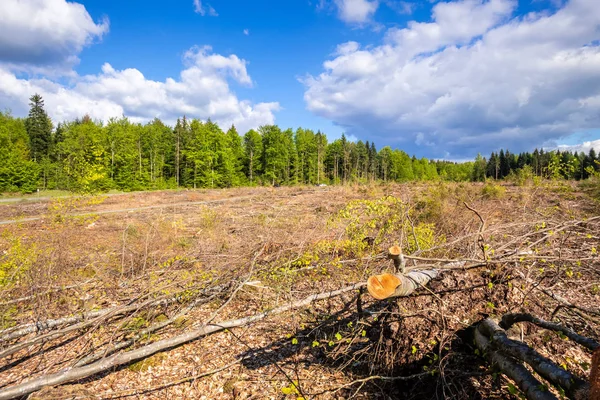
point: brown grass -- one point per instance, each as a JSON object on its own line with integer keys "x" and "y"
{"x": 294, "y": 242}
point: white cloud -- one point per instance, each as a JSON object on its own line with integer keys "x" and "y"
{"x": 208, "y": 10}
{"x": 45, "y": 32}
{"x": 585, "y": 147}
{"x": 356, "y": 12}
{"x": 202, "y": 91}
{"x": 401, "y": 7}
{"x": 474, "y": 79}
{"x": 246, "y": 32}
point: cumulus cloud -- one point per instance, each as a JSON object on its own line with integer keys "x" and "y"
{"x": 202, "y": 10}
{"x": 45, "y": 32}
{"x": 475, "y": 78}
{"x": 201, "y": 91}
{"x": 354, "y": 12}
{"x": 585, "y": 147}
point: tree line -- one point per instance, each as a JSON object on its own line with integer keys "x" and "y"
{"x": 88, "y": 155}
{"x": 546, "y": 164}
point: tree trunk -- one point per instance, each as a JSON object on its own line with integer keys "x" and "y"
{"x": 386, "y": 285}
{"x": 251, "y": 157}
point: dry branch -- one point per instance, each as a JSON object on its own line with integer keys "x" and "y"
{"x": 509, "y": 320}
{"x": 69, "y": 375}
{"x": 53, "y": 290}
{"x": 575, "y": 387}
{"x": 26, "y": 329}
{"x": 109, "y": 313}
{"x": 513, "y": 369}
{"x": 144, "y": 332}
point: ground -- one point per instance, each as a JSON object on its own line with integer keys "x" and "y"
{"x": 238, "y": 252}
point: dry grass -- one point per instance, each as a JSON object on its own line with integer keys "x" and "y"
{"x": 89, "y": 254}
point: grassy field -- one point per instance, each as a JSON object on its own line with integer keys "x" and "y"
{"x": 225, "y": 254}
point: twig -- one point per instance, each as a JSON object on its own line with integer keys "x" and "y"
{"x": 105, "y": 364}
{"x": 373, "y": 378}
{"x": 173, "y": 383}
{"x": 54, "y": 290}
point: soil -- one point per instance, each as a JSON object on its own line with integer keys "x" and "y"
{"x": 89, "y": 253}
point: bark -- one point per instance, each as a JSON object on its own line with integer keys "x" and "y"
{"x": 509, "y": 320}
{"x": 595, "y": 376}
{"x": 575, "y": 387}
{"x": 513, "y": 369}
{"x": 128, "y": 357}
{"x": 395, "y": 253}
{"x": 388, "y": 285}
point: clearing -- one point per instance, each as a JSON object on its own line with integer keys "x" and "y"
{"x": 86, "y": 279}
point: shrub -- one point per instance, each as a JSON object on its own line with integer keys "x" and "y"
{"x": 493, "y": 191}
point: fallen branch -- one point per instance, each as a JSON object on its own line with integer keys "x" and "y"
{"x": 137, "y": 392}
{"x": 69, "y": 375}
{"x": 115, "y": 312}
{"x": 513, "y": 369}
{"x": 22, "y": 330}
{"x": 144, "y": 332}
{"x": 509, "y": 320}
{"x": 53, "y": 290}
{"x": 374, "y": 378}
{"x": 575, "y": 387}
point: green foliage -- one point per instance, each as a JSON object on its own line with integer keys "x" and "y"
{"x": 292, "y": 388}
{"x": 381, "y": 218}
{"x": 17, "y": 172}
{"x": 18, "y": 257}
{"x": 493, "y": 191}
{"x": 39, "y": 128}
{"x": 90, "y": 156}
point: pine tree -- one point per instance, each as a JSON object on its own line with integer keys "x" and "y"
{"x": 39, "y": 128}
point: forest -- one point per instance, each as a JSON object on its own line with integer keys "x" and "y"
{"x": 96, "y": 156}
{"x": 369, "y": 288}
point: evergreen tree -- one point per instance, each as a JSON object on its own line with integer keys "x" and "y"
{"x": 39, "y": 128}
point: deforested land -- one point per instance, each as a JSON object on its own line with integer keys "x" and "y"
{"x": 274, "y": 292}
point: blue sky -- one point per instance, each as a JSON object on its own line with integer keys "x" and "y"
{"x": 437, "y": 79}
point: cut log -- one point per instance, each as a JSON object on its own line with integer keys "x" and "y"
{"x": 387, "y": 285}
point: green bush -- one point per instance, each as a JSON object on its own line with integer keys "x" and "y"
{"x": 493, "y": 191}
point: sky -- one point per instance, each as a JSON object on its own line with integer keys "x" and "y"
{"x": 439, "y": 79}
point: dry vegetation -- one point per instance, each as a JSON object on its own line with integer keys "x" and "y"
{"x": 120, "y": 272}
